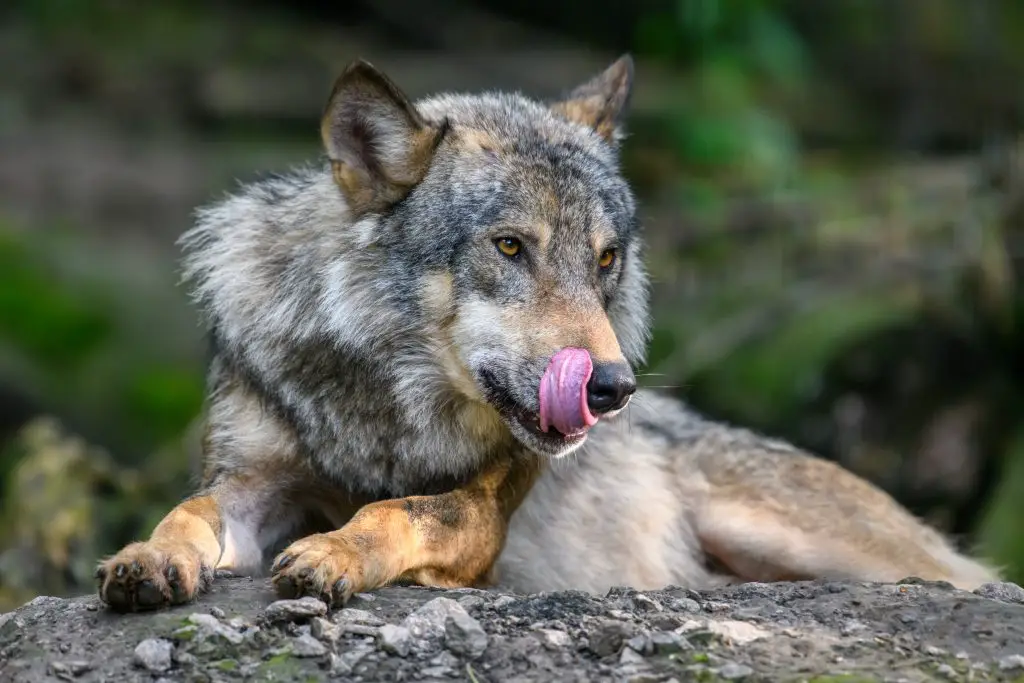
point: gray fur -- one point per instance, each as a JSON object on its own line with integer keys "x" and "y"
{"x": 322, "y": 317}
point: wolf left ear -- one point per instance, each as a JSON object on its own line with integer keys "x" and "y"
{"x": 380, "y": 147}
{"x": 601, "y": 102}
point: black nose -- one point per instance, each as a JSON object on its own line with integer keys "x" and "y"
{"x": 610, "y": 386}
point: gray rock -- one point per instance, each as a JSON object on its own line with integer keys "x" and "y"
{"x": 780, "y": 630}
{"x": 396, "y": 640}
{"x": 735, "y": 672}
{"x": 437, "y": 672}
{"x": 217, "y": 612}
{"x": 666, "y": 642}
{"x": 321, "y": 629}
{"x": 350, "y": 615}
{"x": 1003, "y": 591}
{"x": 606, "y": 637}
{"x": 946, "y": 671}
{"x": 553, "y": 639}
{"x": 206, "y": 626}
{"x": 428, "y": 623}
{"x": 503, "y": 601}
{"x": 641, "y": 643}
{"x": 295, "y": 610}
{"x": 154, "y": 655}
{"x": 71, "y": 669}
{"x": 1011, "y": 663}
{"x": 470, "y": 602}
{"x": 464, "y": 635}
{"x": 686, "y": 605}
{"x": 308, "y": 646}
{"x": 641, "y": 602}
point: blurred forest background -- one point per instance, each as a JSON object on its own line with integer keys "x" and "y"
{"x": 833, "y": 194}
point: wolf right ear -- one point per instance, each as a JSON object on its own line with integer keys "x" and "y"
{"x": 601, "y": 102}
{"x": 380, "y": 147}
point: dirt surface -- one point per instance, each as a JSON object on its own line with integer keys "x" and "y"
{"x": 818, "y": 631}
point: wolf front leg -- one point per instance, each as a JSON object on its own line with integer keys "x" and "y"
{"x": 226, "y": 525}
{"x": 448, "y": 540}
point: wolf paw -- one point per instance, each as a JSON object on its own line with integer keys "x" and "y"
{"x": 149, "y": 575}
{"x": 321, "y": 565}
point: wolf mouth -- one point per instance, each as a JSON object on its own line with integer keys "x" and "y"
{"x": 509, "y": 408}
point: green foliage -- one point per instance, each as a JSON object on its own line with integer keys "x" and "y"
{"x": 53, "y": 324}
{"x": 733, "y": 52}
{"x": 1000, "y": 535}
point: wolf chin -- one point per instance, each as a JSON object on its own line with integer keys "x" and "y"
{"x": 410, "y": 336}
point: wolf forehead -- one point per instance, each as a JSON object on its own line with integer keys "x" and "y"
{"x": 509, "y": 160}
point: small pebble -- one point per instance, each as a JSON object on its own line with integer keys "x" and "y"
{"x": 503, "y": 601}
{"x": 606, "y": 637}
{"x": 72, "y": 668}
{"x": 735, "y": 672}
{"x": 308, "y": 646}
{"x": 294, "y": 610}
{"x": 324, "y": 630}
{"x": 1004, "y": 591}
{"x": 1011, "y": 663}
{"x": 217, "y": 612}
{"x": 350, "y": 615}
{"x": 154, "y": 655}
{"x": 464, "y": 635}
{"x": 553, "y": 639}
{"x": 666, "y": 642}
{"x": 395, "y": 640}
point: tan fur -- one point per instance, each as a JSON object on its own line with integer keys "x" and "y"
{"x": 186, "y": 539}
{"x": 450, "y": 540}
{"x": 393, "y": 172}
{"x": 571, "y": 325}
{"x": 728, "y": 507}
{"x": 598, "y": 103}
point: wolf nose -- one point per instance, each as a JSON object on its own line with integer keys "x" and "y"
{"x": 610, "y": 386}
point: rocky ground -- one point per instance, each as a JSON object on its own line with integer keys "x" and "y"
{"x": 816, "y": 632}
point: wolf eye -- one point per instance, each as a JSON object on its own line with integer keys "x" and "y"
{"x": 606, "y": 259}
{"x": 509, "y": 246}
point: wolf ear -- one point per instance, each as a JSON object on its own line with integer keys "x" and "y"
{"x": 380, "y": 147}
{"x": 601, "y": 102}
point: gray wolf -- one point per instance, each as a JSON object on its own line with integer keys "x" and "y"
{"x": 411, "y": 337}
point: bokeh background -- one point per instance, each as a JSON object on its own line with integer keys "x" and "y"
{"x": 833, "y": 194}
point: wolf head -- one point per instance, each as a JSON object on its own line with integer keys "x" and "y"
{"x": 519, "y": 214}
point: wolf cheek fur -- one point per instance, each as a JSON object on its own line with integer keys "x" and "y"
{"x": 384, "y": 327}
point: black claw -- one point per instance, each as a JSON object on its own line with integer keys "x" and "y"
{"x": 339, "y": 590}
{"x": 171, "y": 573}
{"x": 101, "y": 573}
{"x": 136, "y": 569}
{"x": 206, "y": 575}
{"x": 120, "y": 571}
{"x": 283, "y": 562}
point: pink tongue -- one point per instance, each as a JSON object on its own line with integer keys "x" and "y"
{"x": 563, "y": 393}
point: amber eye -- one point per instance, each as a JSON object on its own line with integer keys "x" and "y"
{"x": 607, "y": 258}
{"x": 509, "y": 246}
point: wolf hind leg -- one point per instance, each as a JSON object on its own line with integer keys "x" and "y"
{"x": 229, "y": 526}
{"x": 813, "y": 520}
